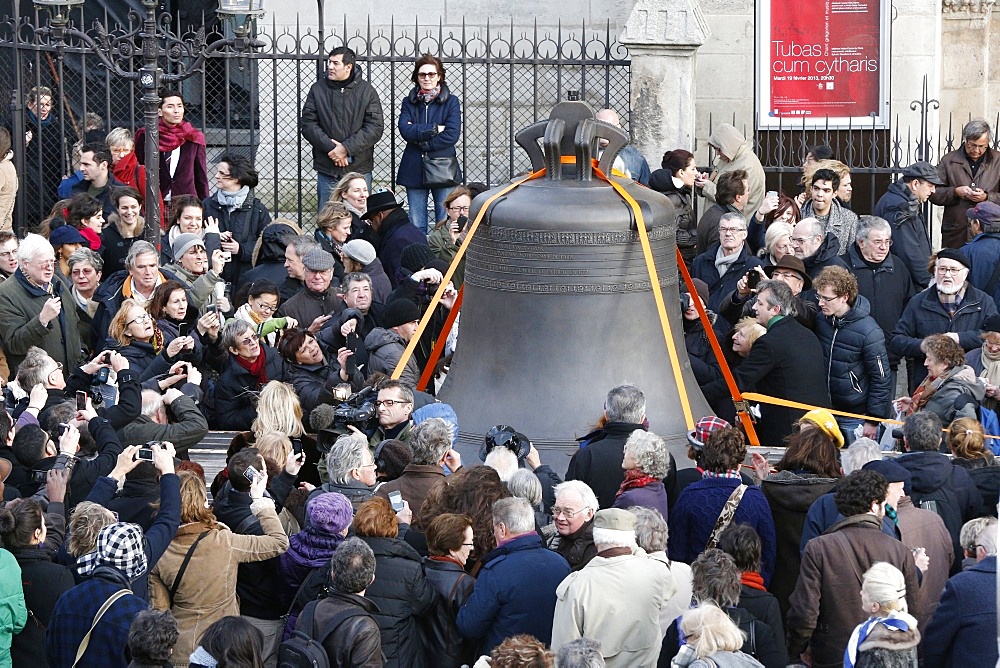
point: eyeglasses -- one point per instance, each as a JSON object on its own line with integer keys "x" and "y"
{"x": 566, "y": 512}
{"x": 458, "y": 208}
{"x": 367, "y": 466}
{"x": 59, "y": 367}
{"x": 950, "y": 271}
{"x": 468, "y": 544}
{"x": 427, "y": 75}
{"x": 145, "y": 317}
{"x": 389, "y": 403}
{"x": 731, "y": 230}
{"x": 267, "y": 308}
{"x": 247, "y": 342}
{"x": 47, "y": 264}
{"x": 825, "y": 299}
{"x": 7, "y": 255}
{"x": 799, "y": 240}
{"x": 885, "y": 243}
{"x": 784, "y": 274}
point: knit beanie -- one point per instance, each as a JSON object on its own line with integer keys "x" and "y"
{"x": 330, "y": 512}
{"x": 415, "y": 257}
{"x": 399, "y": 312}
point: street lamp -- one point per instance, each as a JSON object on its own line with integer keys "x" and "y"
{"x": 148, "y": 33}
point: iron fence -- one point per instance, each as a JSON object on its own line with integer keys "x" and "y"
{"x": 506, "y": 78}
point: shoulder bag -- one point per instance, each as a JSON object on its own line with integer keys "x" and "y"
{"x": 726, "y": 516}
{"x": 82, "y": 649}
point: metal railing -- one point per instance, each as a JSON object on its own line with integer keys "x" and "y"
{"x": 506, "y": 78}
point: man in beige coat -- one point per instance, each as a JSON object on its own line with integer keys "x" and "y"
{"x": 621, "y": 590}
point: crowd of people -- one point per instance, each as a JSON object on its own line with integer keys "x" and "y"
{"x": 345, "y": 522}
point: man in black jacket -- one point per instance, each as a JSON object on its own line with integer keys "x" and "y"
{"x": 342, "y": 119}
{"x": 356, "y": 640}
{"x": 786, "y": 362}
{"x": 599, "y": 460}
{"x": 816, "y": 248}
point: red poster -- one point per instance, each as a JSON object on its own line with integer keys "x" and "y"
{"x": 824, "y": 59}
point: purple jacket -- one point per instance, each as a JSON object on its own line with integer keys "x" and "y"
{"x": 652, "y": 496}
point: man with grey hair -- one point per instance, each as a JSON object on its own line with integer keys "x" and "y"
{"x": 141, "y": 275}
{"x": 971, "y": 175}
{"x": 36, "y": 310}
{"x": 431, "y": 444}
{"x": 963, "y": 629}
{"x": 616, "y": 599}
{"x": 787, "y": 360}
{"x": 317, "y": 301}
{"x": 515, "y": 591}
{"x": 172, "y": 416}
{"x": 599, "y": 461}
{"x": 350, "y": 466}
{"x": 651, "y": 535}
{"x": 573, "y": 516}
{"x": 817, "y": 248}
{"x": 726, "y": 261}
{"x": 356, "y": 640}
{"x": 883, "y": 279}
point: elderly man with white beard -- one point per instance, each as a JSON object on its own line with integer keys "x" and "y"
{"x": 951, "y": 305}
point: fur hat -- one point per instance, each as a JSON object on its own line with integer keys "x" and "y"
{"x": 330, "y": 512}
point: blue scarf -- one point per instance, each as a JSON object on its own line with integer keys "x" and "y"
{"x": 861, "y": 632}
{"x": 234, "y": 200}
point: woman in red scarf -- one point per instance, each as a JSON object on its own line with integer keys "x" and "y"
{"x": 950, "y": 389}
{"x": 250, "y": 366}
{"x": 125, "y": 165}
{"x": 183, "y": 170}
{"x": 646, "y": 463}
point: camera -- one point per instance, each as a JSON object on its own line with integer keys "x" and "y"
{"x": 62, "y": 428}
{"x": 396, "y": 499}
{"x": 251, "y": 474}
{"x": 296, "y": 445}
{"x": 144, "y": 455}
{"x": 753, "y": 279}
{"x": 685, "y": 301}
{"x": 357, "y": 410}
{"x": 40, "y": 476}
{"x": 81, "y": 400}
{"x": 101, "y": 377}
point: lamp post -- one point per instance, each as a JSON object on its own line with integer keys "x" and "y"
{"x": 153, "y": 36}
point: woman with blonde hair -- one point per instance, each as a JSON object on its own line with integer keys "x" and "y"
{"x": 205, "y": 591}
{"x": 747, "y": 331}
{"x": 85, "y": 523}
{"x": 711, "y": 639}
{"x": 352, "y": 190}
{"x": 133, "y": 333}
{"x": 777, "y": 242}
{"x": 889, "y": 637}
{"x": 967, "y": 442}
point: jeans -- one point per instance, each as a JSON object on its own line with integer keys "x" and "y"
{"x": 416, "y": 198}
{"x": 325, "y": 185}
{"x": 847, "y": 426}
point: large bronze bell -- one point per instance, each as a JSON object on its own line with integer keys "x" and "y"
{"x": 558, "y": 305}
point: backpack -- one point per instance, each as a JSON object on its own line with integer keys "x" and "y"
{"x": 314, "y": 587}
{"x": 304, "y": 649}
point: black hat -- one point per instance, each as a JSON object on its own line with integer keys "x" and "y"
{"x": 502, "y": 436}
{"x": 956, "y": 255}
{"x": 992, "y": 324}
{"x": 415, "y": 257}
{"x": 922, "y": 170}
{"x": 380, "y": 201}
{"x": 892, "y": 472}
{"x": 399, "y": 312}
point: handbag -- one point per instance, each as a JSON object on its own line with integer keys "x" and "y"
{"x": 440, "y": 172}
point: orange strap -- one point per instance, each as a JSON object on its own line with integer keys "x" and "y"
{"x": 734, "y": 391}
{"x": 442, "y": 339}
{"x": 429, "y": 312}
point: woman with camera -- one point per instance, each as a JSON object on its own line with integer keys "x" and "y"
{"x": 249, "y": 366}
{"x": 450, "y": 232}
{"x": 134, "y": 334}
{"x": 173, "y": 317}
{"x": 187, "y": 216}
{"x": 314, "y": 378}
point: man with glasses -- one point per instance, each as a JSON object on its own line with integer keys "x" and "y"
{"x": 36, "y": 310}
{"x": 725, "y": 262}
{"x": 857, "y": 364}
{"x": 342, "y": 119}
{"x": 317, "y": 301}
{"x": 573, "y": 516}
{"x": 951, "y": 306}
{"x": 816, "y": 248}
{"x": 970, "y": 174}
{"x": 902, "y": 206}
{"x": 360, "y": 317}
{"x": 731, "y": 195}
{"x": 394, "y": 406}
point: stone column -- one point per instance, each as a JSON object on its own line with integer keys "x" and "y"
{"x": 663, "y": 37}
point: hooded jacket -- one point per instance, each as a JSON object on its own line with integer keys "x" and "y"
{"x": 385, "y": 347}
{"x": 857, "y": 363}
{"x": 741, "y": 156}
{"x": 910, "y": 242}
{"x": 351, "y": 114}
{"x": 938, "y": 485}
